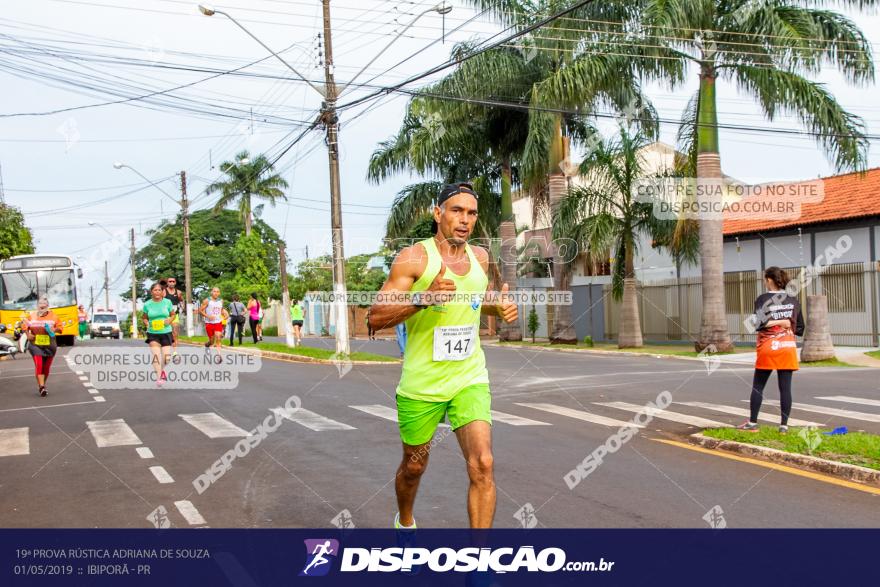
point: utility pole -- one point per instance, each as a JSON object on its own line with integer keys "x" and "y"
{"x": 106, "y": 288}
{"x": 285, "y": 296}
{"x": 134, "y": 305}
{"x": 91, "y": 299}
{"x": 184, "y": 213}
{"x": 331, "y": 123}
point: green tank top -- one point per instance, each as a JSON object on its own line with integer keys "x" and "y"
{"x": 296, "y": 312}
{"x": 435, "y": 367}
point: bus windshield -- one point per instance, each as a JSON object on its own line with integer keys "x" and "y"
{"x": 21, "y": 290}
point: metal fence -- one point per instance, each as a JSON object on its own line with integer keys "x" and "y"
{"x": 670, "y": 309}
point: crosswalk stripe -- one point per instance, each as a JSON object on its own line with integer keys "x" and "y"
{"x": 189, "y": 512}
{"x": 311, "y": 420}
{"x": 161, "y": 474}
{"x": 144, "y": 452}
{"x": 515, "y": 420}
{"x": 578, "y": 414}
{"x": 852, "y": 400}
{"x": 383, "y": 412}
{"x": 14, "y": 441}
{"x": 832, "y": 411}
{"x": 746, "y": 413}
{"x": 213, "y": 426}
{"x": 665, "y": 414}
{"x": 112, "y": 433}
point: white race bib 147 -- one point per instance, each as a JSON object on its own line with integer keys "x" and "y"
{"x": 454, "y": 343}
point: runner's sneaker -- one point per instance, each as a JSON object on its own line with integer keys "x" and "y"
{"x": 406, "y": 538}
{"x": 748, "y": 426}
{"x": 783, "y": 429}
{"x": 43, "y": 392}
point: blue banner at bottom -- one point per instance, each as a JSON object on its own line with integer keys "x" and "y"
{"x": 251, "y": 558}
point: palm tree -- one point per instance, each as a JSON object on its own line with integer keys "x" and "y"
{"x": 602, "y": 216}
{"x": 767, "y": 47}
{"x": 247, "y": 178}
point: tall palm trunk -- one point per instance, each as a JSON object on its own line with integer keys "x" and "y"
{"x": 246, "y": 212}
{"x": 563, "y": 325}
{"x": 507, "y": 232}
{"x": 630, "y": 334}
{"x": 713, "y": 325}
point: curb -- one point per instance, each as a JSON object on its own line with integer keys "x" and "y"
{"x": 846, "y": 471}
{"x": 292, "y": 358}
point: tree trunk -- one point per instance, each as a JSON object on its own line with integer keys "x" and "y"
{"x": 630, "y": 335}
{"x": 817, "y": 337}
{"x": 563, "y": 325}
{"x": 248, "y": 221}
{"x": 713, "y": 324}
{"x": 507, "y": 232}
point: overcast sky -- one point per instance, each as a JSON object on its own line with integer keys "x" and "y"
{"x": 56, "y": 166}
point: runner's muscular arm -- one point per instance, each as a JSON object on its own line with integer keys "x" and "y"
{"x": 409, "y": 264}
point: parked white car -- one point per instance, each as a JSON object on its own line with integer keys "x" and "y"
{"x": 105, "y": 323}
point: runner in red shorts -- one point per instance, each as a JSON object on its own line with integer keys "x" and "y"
{"x": 215, "y": 314}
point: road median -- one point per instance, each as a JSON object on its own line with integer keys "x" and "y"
{"x": 300, "y": 354}
{"x": 866, "y": 452}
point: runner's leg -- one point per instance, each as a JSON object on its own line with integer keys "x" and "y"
{"x": 38, "y": 370}
{"x": 47, "y": 366}
{"x": 784, "y": 378}
{"x": 475, "y": 440}
{"x": 156, "y": 351}
{"x": 758, "y": 383}
{"x": 409, "y": 474}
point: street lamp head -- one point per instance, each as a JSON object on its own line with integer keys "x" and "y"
{"x": 206, "y": 10}
{"x": 443, "y": 8}
{"x": 118, "y": 165}
{"x": 92, "y": 223}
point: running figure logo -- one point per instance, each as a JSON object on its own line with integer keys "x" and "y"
{"x": 317, "y": 551}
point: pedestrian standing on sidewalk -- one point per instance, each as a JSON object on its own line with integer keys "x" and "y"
{"x": 255, "y": 312}
{"x": 236, "y": 319}
{"x": 778, "y": 320}
{"x": 400, "y": 330}
{"x": 83, "y": 318}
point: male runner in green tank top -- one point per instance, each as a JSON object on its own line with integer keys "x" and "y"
{"x": 444, "y": 369}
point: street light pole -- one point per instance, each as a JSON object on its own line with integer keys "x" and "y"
{"x": 184, "y": 214}
{"x": 134, "y": 306}
{"x": 330, "y": 121}
{"x": 187, "y": 267}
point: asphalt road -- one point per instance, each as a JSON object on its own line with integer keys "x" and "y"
{"x": 57, "y": 471}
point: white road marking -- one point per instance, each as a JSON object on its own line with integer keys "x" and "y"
{"x": 831, "y": 411}
{"x": 746, "y": 413}
{"x": 213, "y": 426}
{"x": 515, "y": 420}
{"x": 98, "y": 398}
{"x": 93, "y": 391}
{"x": 852, "y": 400}
{"x": 311, "y": 420}
{"x": 14, "y": 441}
{"x": 578, "y": 414}
{"x": 45, "y": 407}
{"x": 383, "y": 412}
{"x": 144, "y": 452}
{"x": 77, "y": 372}
{"x": 112, "y": 433}
{"x": 161, "y": 474}
{"x": 189, "y": 512}
{"x": 664, "y": 414}
{"x": 83, "y": 377}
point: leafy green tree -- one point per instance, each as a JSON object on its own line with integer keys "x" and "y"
{"x": 534, "y": 323}
{"x": 247, "y": 179}
{"x": 215, "y": 259}
{"x": 602, "y": 215}
{"x": 15, "y": 237}
{"x": 768, "y": 48}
